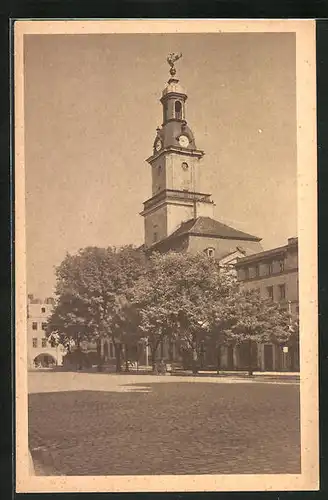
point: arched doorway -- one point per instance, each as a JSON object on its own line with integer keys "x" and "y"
{"x": 44, "y": 360}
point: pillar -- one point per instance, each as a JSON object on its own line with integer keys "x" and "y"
{"x": 235, "y": 358}
{"x": 261, "y": 353}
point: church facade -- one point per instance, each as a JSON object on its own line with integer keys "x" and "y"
{"x": 178, "y": 216}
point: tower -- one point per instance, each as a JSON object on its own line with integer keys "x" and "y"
{"x": 175, "y": 168}
{"x": 178, "y": 216}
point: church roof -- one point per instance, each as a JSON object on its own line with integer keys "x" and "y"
{"x": 206, "y": 226}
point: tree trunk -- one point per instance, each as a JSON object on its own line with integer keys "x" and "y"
{"x": 250, "y": 357}
{"x": 194, "y": 359}
{"x": 118, "y": 356}
{"x": 218, "y": 360}
{"x": 153, "y": 359}
{"x": 170, "y": 351}
{"x": 126, "y": 358}
{"x": 78, "y": 354}
{"x": 100, "y": 361}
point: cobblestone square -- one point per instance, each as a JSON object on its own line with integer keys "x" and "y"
{"x": 130, "y": 425}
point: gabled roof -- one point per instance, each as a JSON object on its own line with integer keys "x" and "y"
{"x": 206, "y": 226}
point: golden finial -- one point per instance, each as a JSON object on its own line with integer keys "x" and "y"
{"x": 171, "y": 59}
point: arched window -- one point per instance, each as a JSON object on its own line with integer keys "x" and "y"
{"x": 178, "y": 110}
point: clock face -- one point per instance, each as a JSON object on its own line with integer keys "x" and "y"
{"x": 158, "y": 144}
{"x": 183, "y": 141}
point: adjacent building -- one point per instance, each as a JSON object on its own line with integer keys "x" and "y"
{"x": 275, "y": 274}
{"x": 40, "y": 353}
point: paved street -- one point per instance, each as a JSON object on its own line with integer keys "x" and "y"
{"x": 100, "y": 424}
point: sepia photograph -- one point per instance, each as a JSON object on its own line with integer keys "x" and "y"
{"x": 166, "y": 274}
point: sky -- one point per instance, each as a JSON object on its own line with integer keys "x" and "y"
{"x": 91, "y": 112}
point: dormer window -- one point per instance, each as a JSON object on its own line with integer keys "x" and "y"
{"x": 210, "y": 252}
{"x": 178, "y": 110}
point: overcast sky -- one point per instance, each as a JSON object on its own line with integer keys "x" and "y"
{"x": 91, "y": 112}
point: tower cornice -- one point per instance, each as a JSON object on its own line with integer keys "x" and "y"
{"x": 174, "y": 149}
{"x": 175, "y": 197}
{"x": 173, "y": 94}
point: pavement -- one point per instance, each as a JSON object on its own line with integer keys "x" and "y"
{"x": 111, "y": 424}
{"x": 49, "y": 381}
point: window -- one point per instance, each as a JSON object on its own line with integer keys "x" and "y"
{"x": 270, "y": 292}
{"x": 178, "y": 110}
{"x": 44, "y": 342}
{"x": 43, "y": 309}
{"x": 210, "y": 252}
{"x": 111, "y": 350}
{"x": 155, "y": 237}
{"x": 34, "y": 325}
{"x": 257, "y": 271}
{"x": 270, "y": 268}
{"x": 184, "y": 165}
{"x": 282, "y": 292}
{"x": 44, "y": 326}
{"x": 281, "y": 266}
{"x": 246, "y": 272}
{"x": 35, "y": 342}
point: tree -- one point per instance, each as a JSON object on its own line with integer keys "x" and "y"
{"x": 204, "y": 287}
{"x": 246, "y": 317}
{"x": 89, "y": 289}
{"x": 153, "y": 299}
{"x": 174, "y": 298}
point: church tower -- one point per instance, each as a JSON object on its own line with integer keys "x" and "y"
{"x": 175, "y": 163}
{"x": 178, "y": 216}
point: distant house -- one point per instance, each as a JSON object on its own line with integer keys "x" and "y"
{"x": 40, "y": 353}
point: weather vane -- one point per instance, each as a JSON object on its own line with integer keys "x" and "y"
{"x": 171, "y": 59}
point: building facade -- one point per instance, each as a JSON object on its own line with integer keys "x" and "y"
{"x": 275, "y": 274}
{"x": 40, "y": 353}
